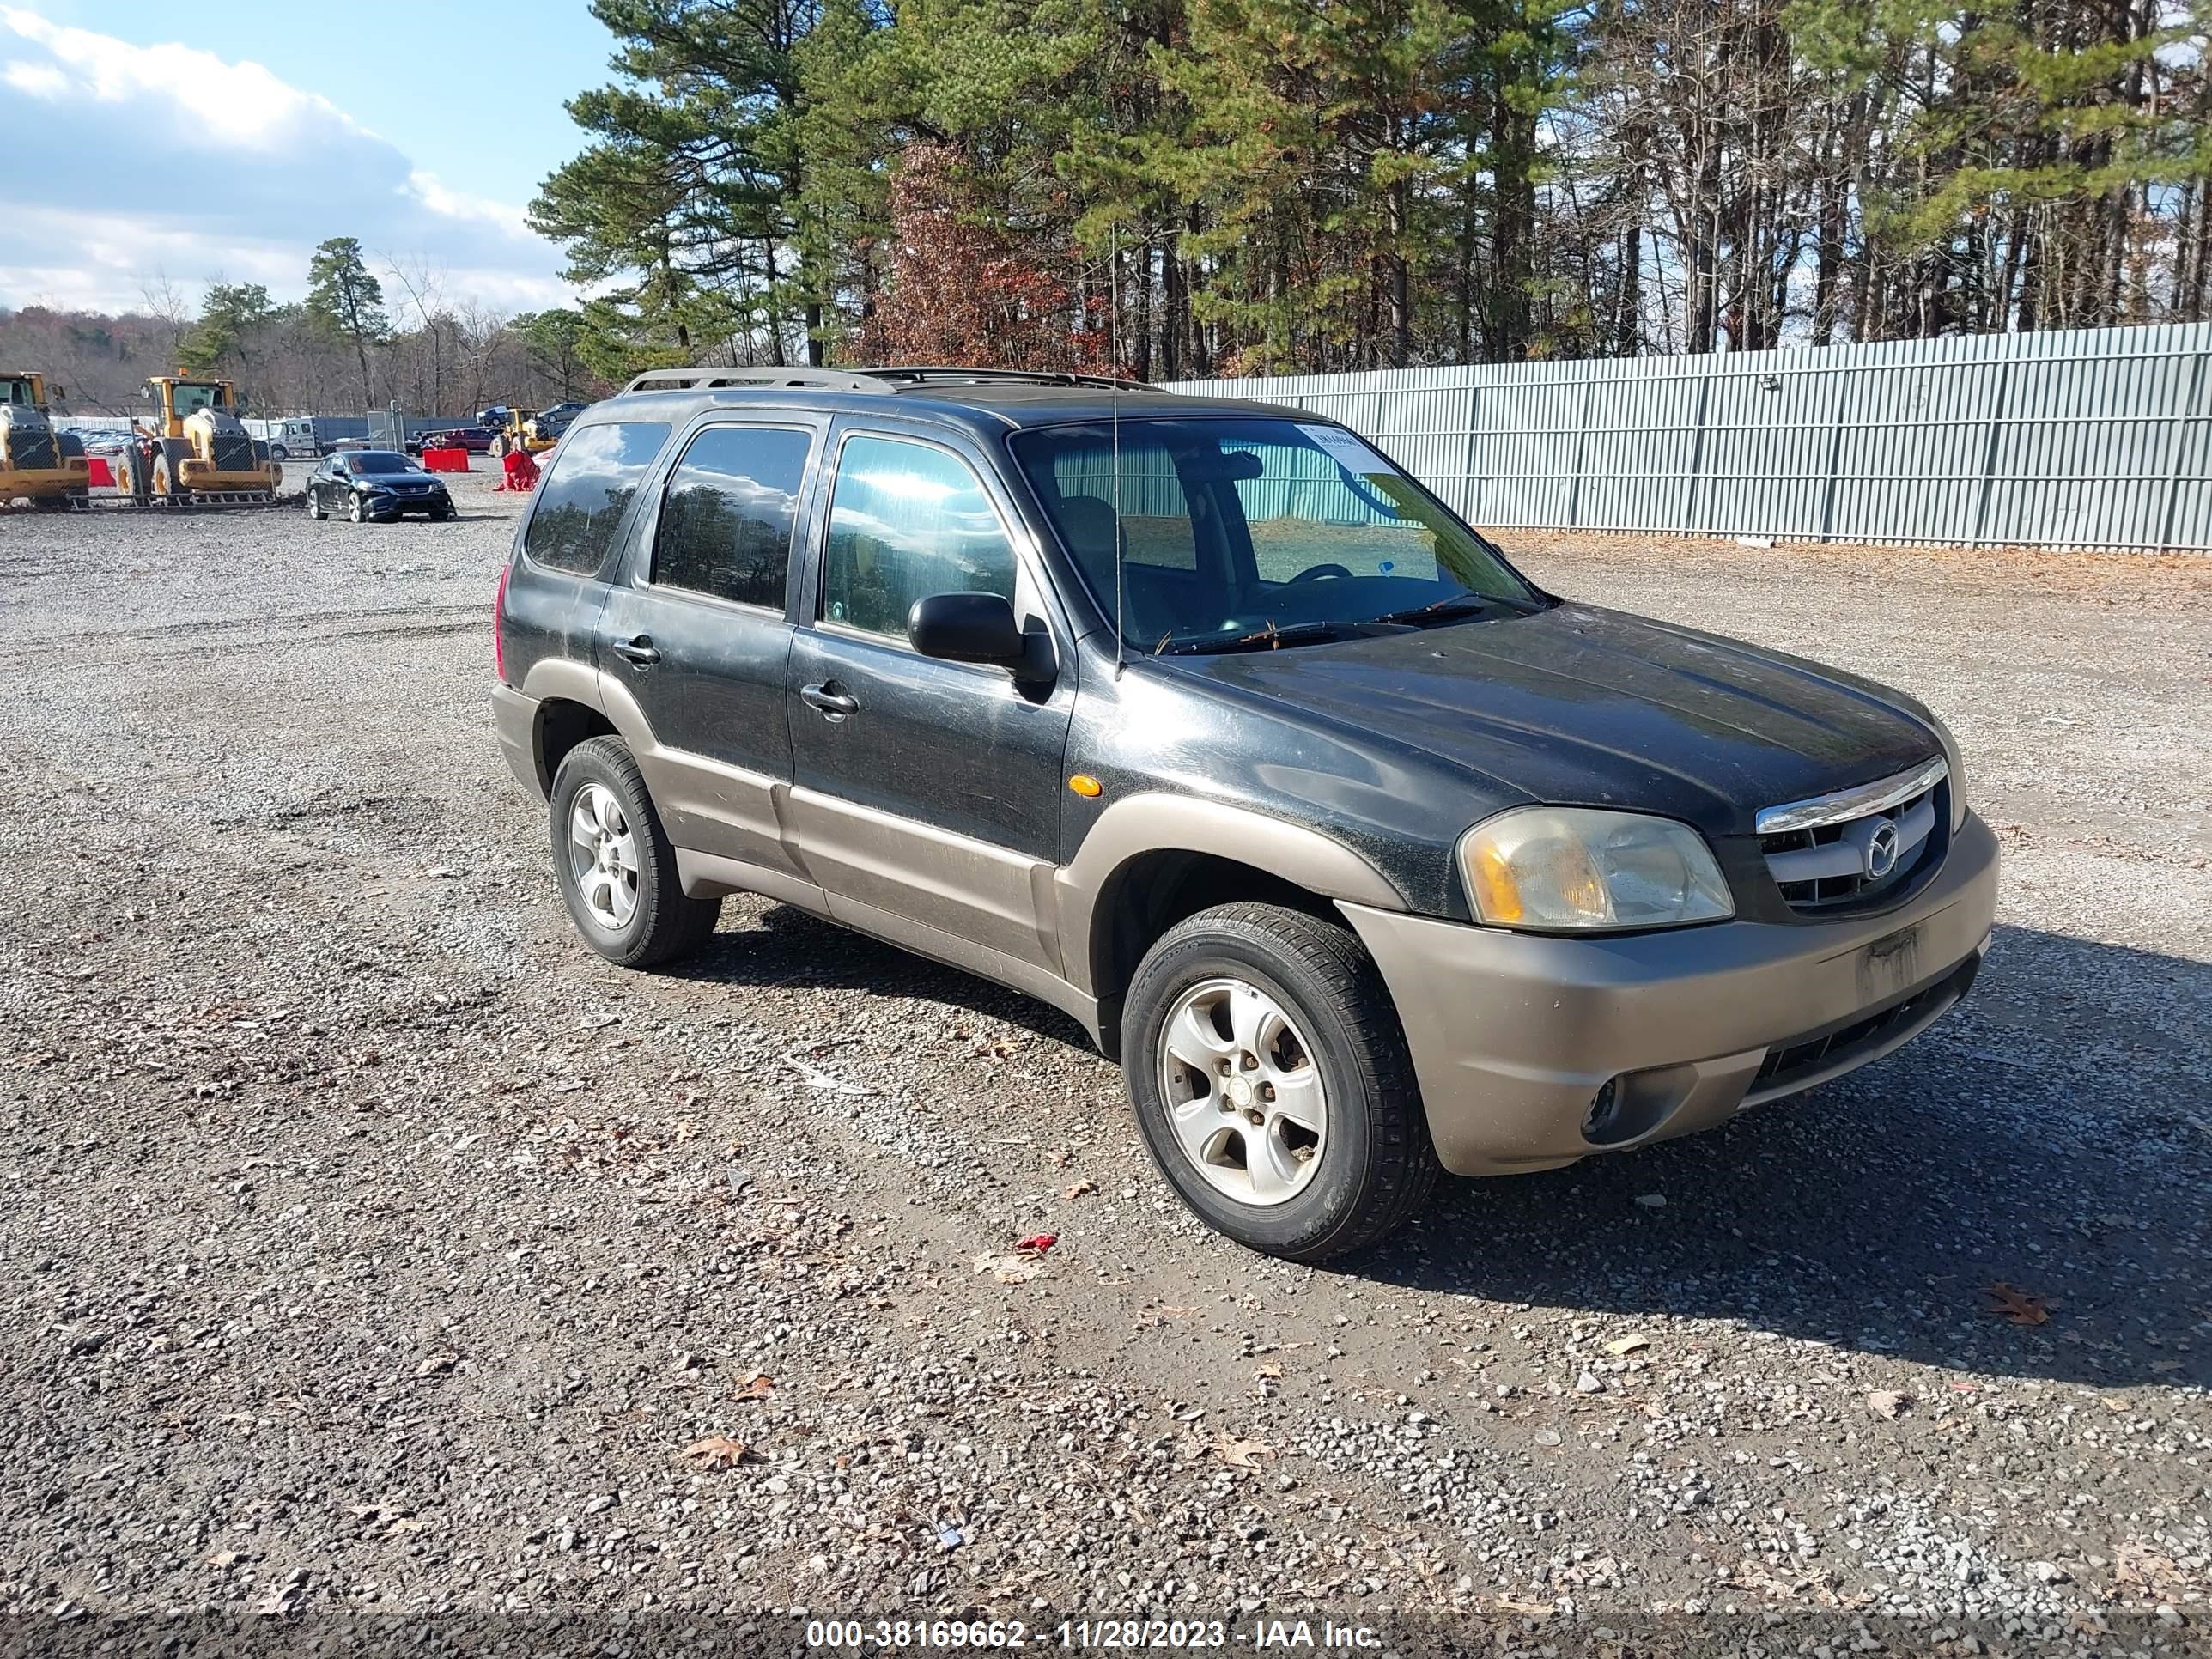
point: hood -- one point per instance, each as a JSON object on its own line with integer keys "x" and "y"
{"x": 1578, "y": 706}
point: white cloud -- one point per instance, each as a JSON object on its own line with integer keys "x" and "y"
{"x": 181, "y": 160}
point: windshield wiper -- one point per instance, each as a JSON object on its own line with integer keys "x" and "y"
{"x": 1452, "y": 604}
{"x": 1266, "y": 638}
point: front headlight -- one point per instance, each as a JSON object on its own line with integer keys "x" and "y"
{"x": 1555, "y": 869}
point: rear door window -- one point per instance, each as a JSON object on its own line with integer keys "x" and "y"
{"x": 587, "y": 489}
{"x": 726, "y": 521}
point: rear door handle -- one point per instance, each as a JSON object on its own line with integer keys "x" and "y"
{"x": 638, "y": 653}
{"x": 834, "y": 705}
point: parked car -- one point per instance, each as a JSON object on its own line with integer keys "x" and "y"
{"x": 378, "y": 484}
{"x": 475, "y": 439}
{"x": 1199, "y": 719}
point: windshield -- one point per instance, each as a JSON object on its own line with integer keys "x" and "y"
{"x": 380, "y": 460}
{"x": 1241, "y": 533}
{"x": 193, "y": 395}
{"x": 14, "y": 391}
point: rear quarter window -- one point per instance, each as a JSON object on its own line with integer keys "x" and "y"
{"x": 587, "y": 490}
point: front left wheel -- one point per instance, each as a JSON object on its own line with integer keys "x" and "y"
{"x": 615, "y": 864}
{"x": 1272, "y": 1082}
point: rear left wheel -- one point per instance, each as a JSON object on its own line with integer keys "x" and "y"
{"x": 615, "y": 864}
{"x": 1272, "y": 1082}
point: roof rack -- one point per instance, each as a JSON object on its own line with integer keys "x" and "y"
{"x": 894, "y": 378}
{"x": 705, "y": 380}
{"x": 924, "y": 374}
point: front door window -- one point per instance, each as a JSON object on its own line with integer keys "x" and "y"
{"x": 908, "y": 520}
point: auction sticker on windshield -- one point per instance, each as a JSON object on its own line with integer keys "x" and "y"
{"x": 1348, "y": 450}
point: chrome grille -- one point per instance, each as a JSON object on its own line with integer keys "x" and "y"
{"x": 1853, "y": 845}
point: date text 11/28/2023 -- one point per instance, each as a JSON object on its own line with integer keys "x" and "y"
{"x": 1290, "y": 1635}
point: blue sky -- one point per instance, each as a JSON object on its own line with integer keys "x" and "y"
{"x": 422, "y": 129}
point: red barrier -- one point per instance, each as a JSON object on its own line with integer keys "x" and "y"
{"x": 96, "y": 472}
{"x": 445, "y": 461}
{"x": 521, "y": 471}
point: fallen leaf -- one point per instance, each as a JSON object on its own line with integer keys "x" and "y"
{"x": 1526, "y": 1609}
{"x": 759, "y": 1386}
{"x": 2136, "y": 1562}
{"x": 1037, "y": 1243}
{"x": 225, "y": 1559}
{"x": 1241, "y": 1454}
{"x": 1078, "y": 1190}
{"x": 1062, "y": 1159}
{"x": 1271, "y": 1371}
{"x": 1888, "y": 1402}
{"x": 1009, "y": 1269}
{"x": 1626, "y": 1345}
{"x": 437, "y": 1363}
{"x": 2017, "y": 1307}
{"x": 716, "y": 1451}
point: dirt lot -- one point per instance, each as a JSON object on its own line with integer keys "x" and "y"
{"x": 372, "y": 1245}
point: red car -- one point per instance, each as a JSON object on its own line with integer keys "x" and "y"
{"x": 477, "y": 440}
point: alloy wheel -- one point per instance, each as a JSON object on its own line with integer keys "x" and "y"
{"x": 603, "y": 856}
{"x": 1243, "y": 1095}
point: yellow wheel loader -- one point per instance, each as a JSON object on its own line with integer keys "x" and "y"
{"x": 195, "y": 454}
{"x": 35, "y": 461}
{"x": 521, "y": 432}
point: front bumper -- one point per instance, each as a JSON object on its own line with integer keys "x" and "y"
{"x": 380, "y": 508}
{"x": 1513, "y": 1034}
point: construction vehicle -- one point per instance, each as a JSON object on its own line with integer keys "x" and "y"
{"x": 197, "y": 453}
{"x": 35, "y": 461}
{"x": 522, "y": 431}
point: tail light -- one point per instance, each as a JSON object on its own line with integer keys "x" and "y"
{"x": 499, "y": 627}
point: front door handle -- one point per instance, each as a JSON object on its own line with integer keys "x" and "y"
{"x": 638, "y": 653}
{"x": 832, "y": 705}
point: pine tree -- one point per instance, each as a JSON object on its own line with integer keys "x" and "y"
{"x": 345, "y": 298}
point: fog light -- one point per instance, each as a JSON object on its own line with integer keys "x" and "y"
{"x": 1602, "y": 1106}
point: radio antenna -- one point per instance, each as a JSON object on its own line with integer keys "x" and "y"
{"x": 1114, "y": 350}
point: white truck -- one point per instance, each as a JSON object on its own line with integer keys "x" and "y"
{"x": 287, "y": 437}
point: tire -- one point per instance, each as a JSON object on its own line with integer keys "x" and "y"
{"x": 354, "y": 509}
{"x": 1372, "y": 1165}
{"x": 167, "y": 477}
{"x": 278, "y": 453}
{"x": 49, "y": 503}
{"x": 314, "y": 504}
{"x": 664, "y": 923}
{"x": 130, "y": 471}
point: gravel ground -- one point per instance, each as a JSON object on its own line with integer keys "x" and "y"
{"x": 373, "y": 1246}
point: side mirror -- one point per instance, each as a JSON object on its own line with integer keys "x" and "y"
{"x": 59, "y": 393}
{"x": 238, "y": 404}
{"x": 967, "y": 628}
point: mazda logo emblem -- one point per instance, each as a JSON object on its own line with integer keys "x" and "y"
{"x": 1882, "y": 851}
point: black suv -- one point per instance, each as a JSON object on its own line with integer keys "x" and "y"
{"x": 1203, "y": 722}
